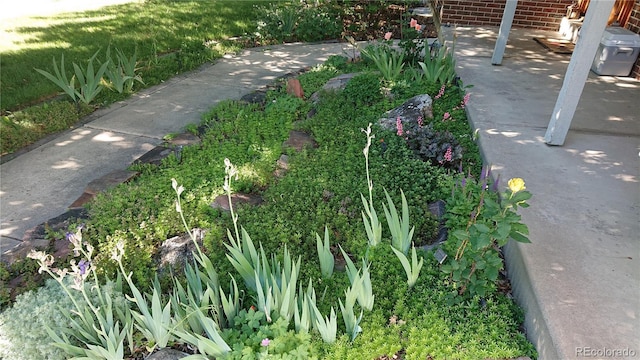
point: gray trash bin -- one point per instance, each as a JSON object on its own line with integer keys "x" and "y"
{"x": 617, "y": 52}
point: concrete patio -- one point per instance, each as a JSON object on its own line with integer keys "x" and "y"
{"x": 579, "y": 279}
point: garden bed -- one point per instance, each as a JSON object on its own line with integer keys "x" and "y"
{"x": 321, "y": 188}
{"x": 338, "y": 250}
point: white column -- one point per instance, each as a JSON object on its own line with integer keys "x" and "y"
{"x": 578, "y": 70}
{"x": 505, "y": 28}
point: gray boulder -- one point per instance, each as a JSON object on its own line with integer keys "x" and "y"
{"x": 417, "y": 106}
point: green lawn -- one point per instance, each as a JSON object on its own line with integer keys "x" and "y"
{"x": 153, "y": 28}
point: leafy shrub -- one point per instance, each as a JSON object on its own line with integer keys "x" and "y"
{"x": 297, "y": 21}
{"x": 363, "y": 89}
{"x": 317, "y": 23}
{"x": 277, "y": 22}
{"x": 412, "y": 45}
{"x": 474, "y": 258}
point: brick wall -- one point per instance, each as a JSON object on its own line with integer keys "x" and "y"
{"x": 540, "y": 14}
{"x": 634, "y": 25}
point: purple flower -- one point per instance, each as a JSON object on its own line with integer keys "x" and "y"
{"x": 494, "y": 186}
{"x": 265, "y": 342}
{"x": 83, "y": 266}
{"x": 483, "y": 173}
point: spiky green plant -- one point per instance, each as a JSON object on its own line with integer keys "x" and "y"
{"x": 412, "y": 269}
{"x": 401, "y": 235}
{"x": 325, "y": 256}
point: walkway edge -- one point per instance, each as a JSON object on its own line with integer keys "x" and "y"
{"x": 523, "y": 291}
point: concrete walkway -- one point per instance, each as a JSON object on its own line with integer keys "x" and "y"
{"x": 579, "y": 280}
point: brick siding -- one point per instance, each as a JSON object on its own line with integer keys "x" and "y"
{"x": 540, "y": 14}
{"x": 634, "y": 25}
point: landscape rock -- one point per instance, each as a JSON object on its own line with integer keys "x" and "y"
{"x": 154, "y": 156}
{"x": 184, "y": 139}
{"x": 337, "y": 83}
{"x": 299, "y": 140}
{"x": 81, "y": 201}
{"x": 255, "y": 97}
{"x": 175, "y": 252}
{"x": 282, "y": 166}
{"x": 417, "y": 106}
{"x": 294, "y": 88}
{"x": 110, "y": 180}
{"x": 438, "y": 209}
{"x": 167, "y": 354}
{"x": 222, "y": 201}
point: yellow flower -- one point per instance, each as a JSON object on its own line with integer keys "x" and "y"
{"x": 516, "y": 184}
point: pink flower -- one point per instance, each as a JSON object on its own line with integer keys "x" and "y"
{"x": 399, "y": 126}
{"x": 388, "y": 35}
{"x": 441, "y": 92}
{"x": 265, "y": 342}
{"x": 448, "y": 156}
{"x": 418, "y": 27}
{"x": 420, "y": 121}
{"x": 466, "y": 99}
{"x": 413, "y": 22}
{"x": 446, "y": 116}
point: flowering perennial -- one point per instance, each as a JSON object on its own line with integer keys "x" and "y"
{"x": 441, "y": 92}
{"x": 399, "y": 126}
{"x": 448, "y": 156}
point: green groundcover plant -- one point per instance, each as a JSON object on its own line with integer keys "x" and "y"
{"x": 262, "y": 282}
{"x": 315, "y": 271}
